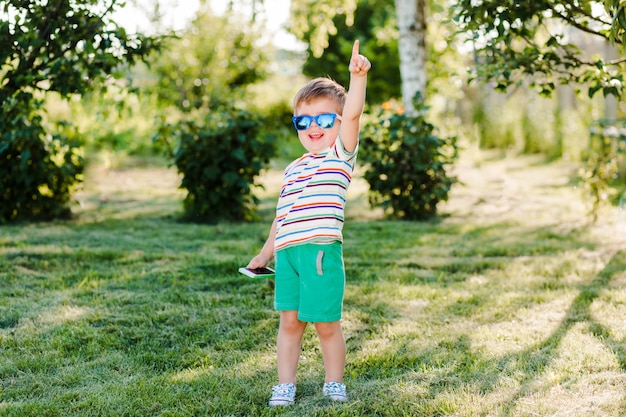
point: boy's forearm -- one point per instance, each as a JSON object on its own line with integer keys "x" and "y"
{"x": 267, "y": 252}
{"x": 352, "y": 111}
{"x": 355, "y": 99}
{"x": 268, "y": 247}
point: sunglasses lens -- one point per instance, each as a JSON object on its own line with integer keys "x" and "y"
{"x": 302, "y": 122}
{"x": 325, "y": 121}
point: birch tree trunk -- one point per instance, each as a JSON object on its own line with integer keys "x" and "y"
{"x": 411, "y": 16}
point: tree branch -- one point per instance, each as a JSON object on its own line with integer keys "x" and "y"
{"x": 581, "y": 27}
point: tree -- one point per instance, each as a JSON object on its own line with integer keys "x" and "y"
{"x": 47, "y": 47}
{"x": 412, "y": 46}
{"x": 517, "y": 40}
{"x": 406, "y": 162}
{"x": 617, "y": 9}
{"x": 375, "y": 25}
{"x": 318, "y": 23}
{"x": 220, "y": 145}
{"x": 210, "y": 63}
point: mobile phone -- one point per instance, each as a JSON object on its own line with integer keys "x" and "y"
{"x": 258, "y": 272}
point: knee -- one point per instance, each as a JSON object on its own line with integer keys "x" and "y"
{"x": 328, "y": 330}
{"x": 289, "y": 323}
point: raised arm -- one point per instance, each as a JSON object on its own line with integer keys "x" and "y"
{"x": 355, "y": 100}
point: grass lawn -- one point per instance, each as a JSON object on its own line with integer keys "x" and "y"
{"x": 510, "y": 304}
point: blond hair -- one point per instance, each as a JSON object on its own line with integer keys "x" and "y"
{"x": 321, "y": 87}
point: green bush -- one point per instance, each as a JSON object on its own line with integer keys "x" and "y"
{"x": 37, "y": 170}
{"x": 219, "y": 158}
{"x": 601, "y": 172}
{"x": 406, "y": 163}
{"x": 117, "y": 120}
{"x": 52, "y": 48}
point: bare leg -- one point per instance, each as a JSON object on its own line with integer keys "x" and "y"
{"x": 333, "y": 350}
{"x": 289, "y": 344}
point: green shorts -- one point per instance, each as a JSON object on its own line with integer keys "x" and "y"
{"x": 310, "y": 278}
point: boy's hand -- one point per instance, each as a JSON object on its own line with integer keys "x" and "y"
{"x": 258, "y": 261}
{"x": 359, "y": 65}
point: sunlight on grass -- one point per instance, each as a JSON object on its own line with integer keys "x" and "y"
{"x": 63, "y": 314}
{"x": 559, "y": 401}
{"x": 580, "y": 354}
{"x": 129, "y": 193}
{"x": 584, "y": 377}
{"x": 509, "y": 304}
{"x": 610, "y": 312}
{"x": 189, "y": 375}
{"x": 525, "y": 329}
{"x": 252, "y": 365}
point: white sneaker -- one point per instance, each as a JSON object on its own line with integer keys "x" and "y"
{"x": 283, "y": 394}
{"x": 336, "y": 391}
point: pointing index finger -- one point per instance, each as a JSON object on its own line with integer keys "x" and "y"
{"x": 355, "y": 48}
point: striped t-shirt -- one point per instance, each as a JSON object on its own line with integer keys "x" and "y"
{"x": 313, "y": 196}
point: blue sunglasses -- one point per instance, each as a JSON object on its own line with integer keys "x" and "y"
{"x": 325, "y": 121}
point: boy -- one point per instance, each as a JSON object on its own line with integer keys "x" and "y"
{"x": 306, "y": 234}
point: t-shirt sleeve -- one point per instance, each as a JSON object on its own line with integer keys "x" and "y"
{"x": 341, "y": 152}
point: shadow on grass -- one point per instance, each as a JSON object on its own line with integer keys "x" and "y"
{"x": 185, "y": 306}
{"x": 412, "y": 253}
{"x": 579, "y": 312}
{"x": 377, "y": 261}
